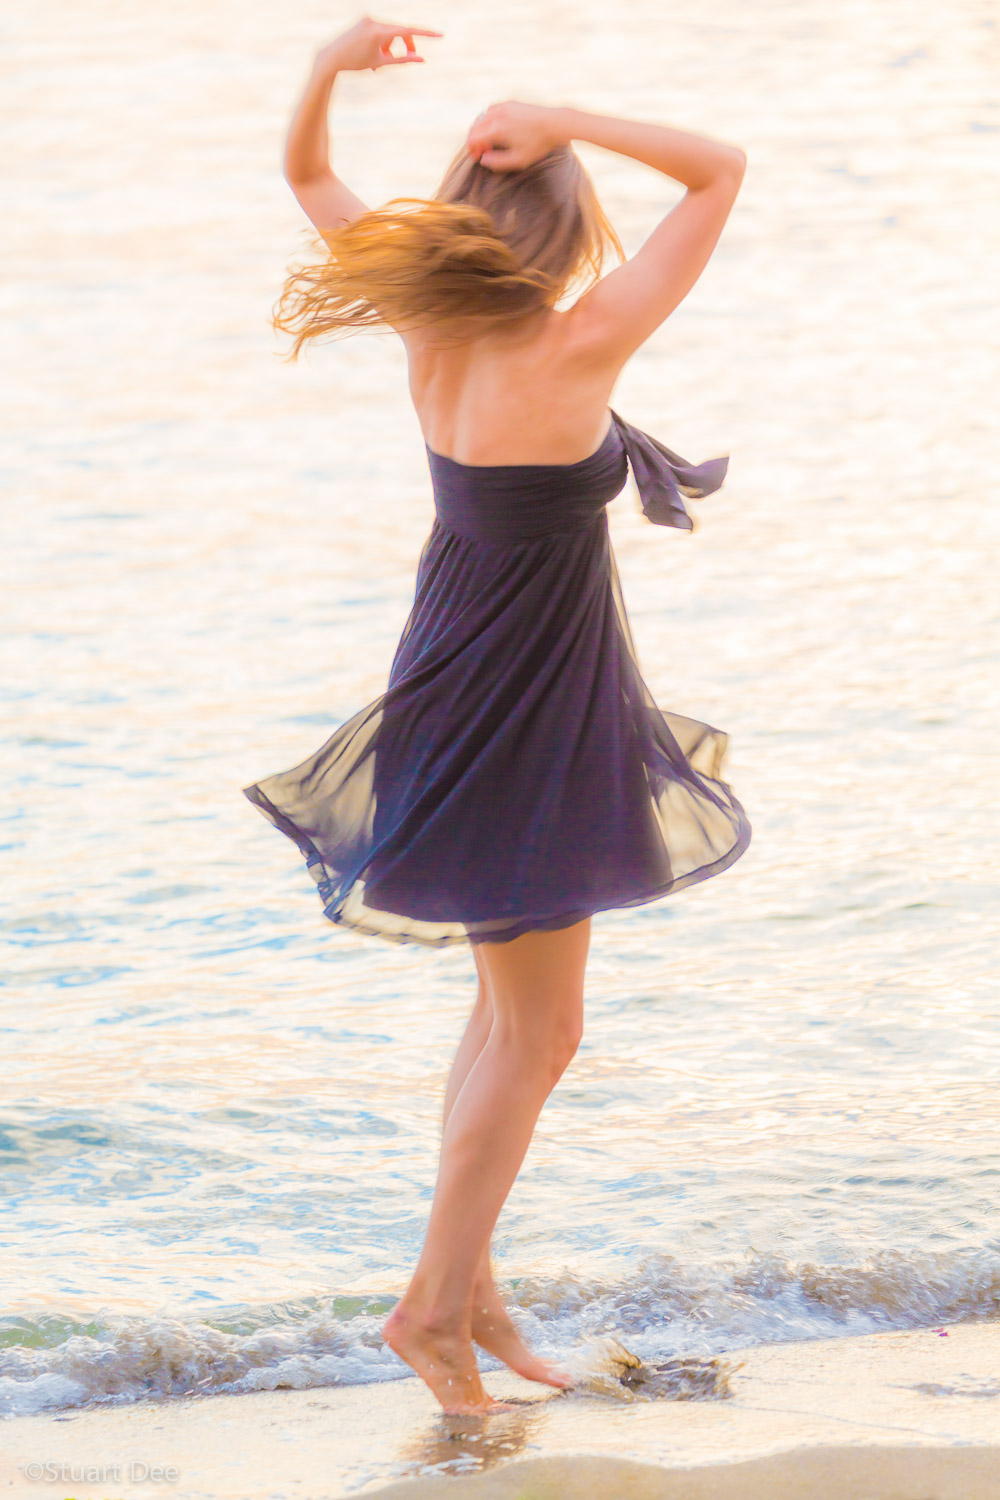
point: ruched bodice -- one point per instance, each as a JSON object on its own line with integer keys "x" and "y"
{"x": 516, "y": 774}
{"x": 516, "y": 502}
{"x": 509, "y": 503}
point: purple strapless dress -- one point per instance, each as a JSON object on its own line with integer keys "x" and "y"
{"x": 516, "y": 774}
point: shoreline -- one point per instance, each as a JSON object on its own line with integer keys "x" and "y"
{"x": 906, "y": 1415}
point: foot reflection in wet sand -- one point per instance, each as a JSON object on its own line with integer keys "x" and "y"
{"x": 471, "y": 1444}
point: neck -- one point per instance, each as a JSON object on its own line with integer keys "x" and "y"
{"x": 511, "y": 331}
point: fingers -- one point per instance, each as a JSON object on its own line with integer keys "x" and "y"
{"x": 389, "y": 33}
{"x": 501, "y": 159}
{"x": 487, "y": 152}
{"x": 411, "y": 54}
{"x": 483, "y": 129}
{"x": 392, "y": 30}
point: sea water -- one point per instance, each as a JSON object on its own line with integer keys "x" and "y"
{"x": 220, "y": 1116}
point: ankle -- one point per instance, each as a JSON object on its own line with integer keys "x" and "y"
{"x": 440, "y": 1320}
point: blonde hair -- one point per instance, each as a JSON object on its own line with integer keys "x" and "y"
{"x": 489, "y": 247}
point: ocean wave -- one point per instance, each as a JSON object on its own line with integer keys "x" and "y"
{"x": 664, "y": 1309}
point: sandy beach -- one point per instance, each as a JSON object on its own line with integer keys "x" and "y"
{"x": 890, "y": 1416}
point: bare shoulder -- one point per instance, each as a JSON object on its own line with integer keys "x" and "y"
{"x": 621, "y": 310}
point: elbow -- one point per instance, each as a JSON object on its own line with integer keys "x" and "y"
{"x": 730, "y": 172}
{"x": 738, "y": 161}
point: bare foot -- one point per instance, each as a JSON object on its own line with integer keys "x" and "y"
{"x": 444, "y": 1360}
{"x": 493, "y": 1331}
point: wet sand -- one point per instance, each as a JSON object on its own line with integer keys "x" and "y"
{"x": 909, "y": 1415}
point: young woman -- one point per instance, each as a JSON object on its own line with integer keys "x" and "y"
{"x": 516, "y": 776}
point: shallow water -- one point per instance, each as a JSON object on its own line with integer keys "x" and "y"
{"x": 220, "y": 1117}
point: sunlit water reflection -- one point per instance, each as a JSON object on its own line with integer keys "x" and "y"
{"x": 220, "y": 1124}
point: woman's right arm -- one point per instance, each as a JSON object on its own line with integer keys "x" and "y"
{"x": 621, "y": 310}
{"x": 619, "y": 313}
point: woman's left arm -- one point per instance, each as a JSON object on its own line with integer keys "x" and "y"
{"x": 327, "y": 201}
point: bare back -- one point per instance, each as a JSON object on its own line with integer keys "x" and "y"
{"x": 532, "y": 395}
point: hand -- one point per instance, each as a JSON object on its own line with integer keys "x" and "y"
{"x": 510, "y": 135}
{"x": 369, "y": 45}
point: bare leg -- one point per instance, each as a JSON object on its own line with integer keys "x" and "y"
{"x": 492, "y": 1328}
{"x": 536, "y": 987}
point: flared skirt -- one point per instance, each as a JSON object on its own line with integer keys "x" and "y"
{"x": 516, "y": 774}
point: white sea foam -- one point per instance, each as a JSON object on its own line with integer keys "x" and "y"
{"x": 668, "y": 1310}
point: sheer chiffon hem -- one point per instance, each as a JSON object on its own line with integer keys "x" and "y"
{"x": 349, "y": 909}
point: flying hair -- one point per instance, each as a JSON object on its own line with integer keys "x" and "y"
{"x": 489, "y": 247}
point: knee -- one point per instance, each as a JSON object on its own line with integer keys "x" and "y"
{"x": 550, "y": 1048}
{"x": 562, "y": 1039}
{"x": 539, "y": 1018}
{"x": 563, "y": 1048}
{"x": 540, "y": 1047}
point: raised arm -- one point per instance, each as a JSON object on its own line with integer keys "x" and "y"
{"x": 631, "y": 301}
{"x": 327, "y": 200}
{"x": 620, "y": 312}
